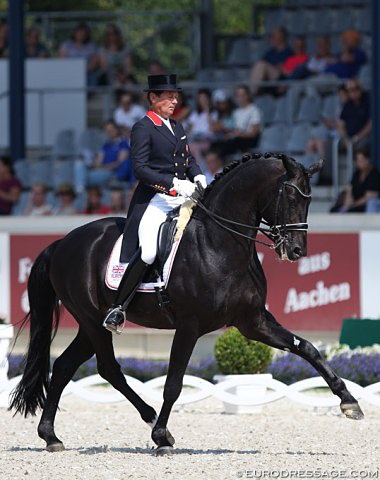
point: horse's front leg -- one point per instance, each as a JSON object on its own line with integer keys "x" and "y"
{"x": 184, "y": 341}
{"x": 269, "y": 331}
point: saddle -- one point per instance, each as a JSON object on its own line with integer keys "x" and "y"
{"x": 165, "y": 240}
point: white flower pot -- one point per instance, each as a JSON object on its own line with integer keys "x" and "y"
{"x": 6, "y": 334}
{"x": 246, "y": 390}
{"x": 6, "y": 330}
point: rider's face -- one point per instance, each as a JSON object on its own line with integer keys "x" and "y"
{"x": 165, "y": 103}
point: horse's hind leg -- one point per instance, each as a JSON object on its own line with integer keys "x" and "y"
{"x": 274, "y": 334}
{"x": 64, "y": 368}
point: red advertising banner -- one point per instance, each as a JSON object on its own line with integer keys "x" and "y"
{"x": 318, "y": 291}
{"x": 24, "y": 249}
{"x": 315, "y": 293}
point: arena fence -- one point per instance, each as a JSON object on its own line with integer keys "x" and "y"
{"x": 201, "y": 389}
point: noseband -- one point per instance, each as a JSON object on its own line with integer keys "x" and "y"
{"x": 277, "y": 233}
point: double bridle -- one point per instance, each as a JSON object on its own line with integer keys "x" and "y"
{"x": 277, "y": 233}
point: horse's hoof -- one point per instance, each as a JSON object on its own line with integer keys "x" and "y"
{"x": 352, "y": 410}
{"x": 170, "y": 438}
{"x": 165, "y": 450}
{"x": 55, "y": 447}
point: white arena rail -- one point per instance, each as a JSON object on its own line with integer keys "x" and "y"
{"x": 152, "y": 390}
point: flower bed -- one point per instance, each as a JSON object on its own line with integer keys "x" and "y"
{"x": 361, "y": 365}
{"x": 139, "y": 368}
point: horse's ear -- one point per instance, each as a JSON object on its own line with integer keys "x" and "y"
{"x": 290, "y": 166}
{"x": 316, "y": 167}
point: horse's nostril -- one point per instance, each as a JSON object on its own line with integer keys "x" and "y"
{"x": 297, "y": 251}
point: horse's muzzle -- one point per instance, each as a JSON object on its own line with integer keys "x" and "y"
{"x": 297, "y": 252}
{"x": 291, "y": 250}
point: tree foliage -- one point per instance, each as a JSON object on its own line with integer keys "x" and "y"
{"x": 96, "y": 5}
{"x": 228, "y": 18}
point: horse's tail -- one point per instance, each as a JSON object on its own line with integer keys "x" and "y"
{"x": 43, "y": 316}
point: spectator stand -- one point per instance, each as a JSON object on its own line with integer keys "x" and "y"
{"x": 57, "y": 167}
{"x": 311, "y": 18}
{"x": 285, "y": 118}
{"x": 143, "y": 31}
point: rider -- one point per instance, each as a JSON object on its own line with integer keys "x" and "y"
{"x": 166, "y": 170}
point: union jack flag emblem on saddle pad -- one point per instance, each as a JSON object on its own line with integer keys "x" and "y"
{"x": 115, "y": 270}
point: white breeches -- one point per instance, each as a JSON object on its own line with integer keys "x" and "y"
{"x": 153, "y": 217}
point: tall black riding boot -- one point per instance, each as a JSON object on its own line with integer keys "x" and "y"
{"x": 128, "y": 285}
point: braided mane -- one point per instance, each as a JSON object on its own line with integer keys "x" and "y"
{"x": 245, "y": 158}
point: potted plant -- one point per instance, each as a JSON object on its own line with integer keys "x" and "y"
{"x": 242, "y": 360}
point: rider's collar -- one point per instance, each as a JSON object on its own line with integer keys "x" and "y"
{"x": 156, "y": 119}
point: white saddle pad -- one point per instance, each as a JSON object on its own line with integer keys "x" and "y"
{"x": 115, "y": 269}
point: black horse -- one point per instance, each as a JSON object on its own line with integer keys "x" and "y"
{"x": 216, "y": 280}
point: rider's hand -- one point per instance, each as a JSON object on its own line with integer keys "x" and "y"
{"x": 185, "y": 188}
{"x": 201, "y": 179}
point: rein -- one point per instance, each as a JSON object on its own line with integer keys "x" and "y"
{"x": 277, "y": 233}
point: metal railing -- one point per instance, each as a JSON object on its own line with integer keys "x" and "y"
{"x": 336, "y": 167}
{"x": 103, "y": 109}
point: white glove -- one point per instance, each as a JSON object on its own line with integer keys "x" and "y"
{"x": 185, "y": 188}
{"x": 201, "y": 179}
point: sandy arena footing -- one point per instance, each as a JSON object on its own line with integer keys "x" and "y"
{"x": 110, "y": 442}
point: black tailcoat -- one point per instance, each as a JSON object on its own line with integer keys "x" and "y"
{"x": 157, "y": 157}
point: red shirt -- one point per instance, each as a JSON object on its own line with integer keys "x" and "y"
{"x": 103, "y": 209}
{"x": 291, "y": 63}
{"x": 7, "y": 186}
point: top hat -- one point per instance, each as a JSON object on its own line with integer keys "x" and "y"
{"x": 162, "y": 82}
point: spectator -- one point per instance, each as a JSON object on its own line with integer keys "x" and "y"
{"x": 352, "y": 57}
{"x": 81, "y": 46}
{"x": 318, "y": 62}
{"x": 118, "y": 202}
{"x": 355, "y": 120}
{"x": 37, "y": 205}
{"x": 112, "y": 162}
{"x": 10, "y": 186}
{"x": 200, "y": 124}
{"x": 270, "y": 66}
{"x": 214, "y": 165}
{"x": 94, "y": 203}
{"x": 182, "y": 110}
{"x": 3, "y": 38}
{"x": 127, "y": 113}
{"x": 365, "y": 185}
{"x": 299, "y": 57}
{"x": 66, "y": 196}
{"x": 328, "y": 128}
{"x": 246, "y": 125}
{"x": 224, "y": 110}
{"x": 34, "y": 48}
{"x": 115, "y": 57}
